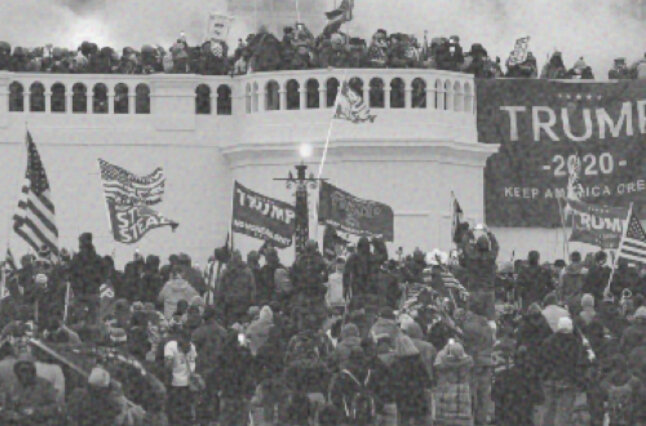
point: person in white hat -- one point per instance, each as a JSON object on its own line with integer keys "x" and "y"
{"x": 562, "y": 363}
{"x": 95, "y": 404}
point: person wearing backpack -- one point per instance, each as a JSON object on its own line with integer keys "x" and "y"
{"x": 411, "y": 381}
{"x": 621, "y": 392}
{"x": 350, "y": 394}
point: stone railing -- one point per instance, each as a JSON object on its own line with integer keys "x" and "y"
{"x": 420, "y": 98}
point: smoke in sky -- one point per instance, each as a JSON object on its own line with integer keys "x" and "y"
{"x": 598, "y": 30}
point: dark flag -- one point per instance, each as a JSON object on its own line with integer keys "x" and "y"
{"x": 35, "y": 220}
{"x": 262, "y": 217}
{"x": 457, "y": 224}
{"x": 338, "y": 16}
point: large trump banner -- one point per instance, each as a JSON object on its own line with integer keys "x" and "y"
{"x": 543, "y": 127}
{"x": 601, "y": 226}
{"x": 262, "y": 217}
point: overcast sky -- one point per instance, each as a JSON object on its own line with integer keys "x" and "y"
{"x": 599, "y": 30}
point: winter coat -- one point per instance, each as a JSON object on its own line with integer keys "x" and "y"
{"x": 452, "y": 393}
{"x": 385, "y": 326}
{"x": 633, "y": 336}
{"x": 86, "y": 270}
{"x": 238, "y": 286}
{"x": 266, "y": 285}
{"x": 533, "y": 283}
{"x": 92, "y": 408}
{"x": 343, "y": 388}
{"x": 624, "y": 278}
{"x": 562, "y": 358}
{"x": 571, "y": 283}
{"x": 350, "y": 339}
{"x": 258, "y": 331}
{"x": 427, "y": 350}
{"x": 208, "y": 339}
{"x": 478, "y": 339}
{"x": 480, "y": 265}
{"x": 515, "y": 392}
{"x": 173, "y": 291}
{"x": 233, "y": 373}
{"x": 410, "y": 381}
{"x": 335, "y": 58}
{"x": 553, "y": 313}
{"x": 596, "y": 281}
{"x": 40, "y": 397}
{"x": 309, "y": 272}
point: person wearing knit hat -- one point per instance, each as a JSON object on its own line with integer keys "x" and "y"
{"x": 562, "y": 365}
{"x": 95, "y": 404}
{"x": 635, "y": 334}
{"x": 99, "y": 378}
{"x": 452, "y": 392}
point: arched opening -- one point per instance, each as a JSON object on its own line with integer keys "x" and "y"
{"x": 419, "y": 93}
{"x": 37, "y": 97}
{"x": 142, "y": 99}
{"x": 16, "y": 97}
{"x": 224, "y": 100}
{"x": 272, "y": 100}
{"x": 448, "y": 96}
{"x": 100, "y": 99}
{"x": 58, "y": 98}
{"x": 332, "y": 88}
{"x": 121, "y": 99}
{"x": 313, "y": 100}
{"x": 377, "y": 99}
{"x": 397, "y": 93}
{"x": 203, "y": 99}
{"x": 356, "y": 84}
{"x": 293, "y": 95}
{"x": 439, "y": 95}
{"x": 247, "y": 97}
{"x": 468, "y": 98}
{"x": 79, "y": 98}
{"x": 458, "y": 97}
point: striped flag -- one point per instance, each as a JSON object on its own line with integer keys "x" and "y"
{"x": 124, "y": 187}
{"x": 10, "y": 262}
{"x": 35, "y": 220}
{"x": 633, "y": 243}
{"x": 8, "y": 272}
{"x": 350, "y": 106}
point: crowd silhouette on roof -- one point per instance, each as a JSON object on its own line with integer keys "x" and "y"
{"x": 298, "y": 49}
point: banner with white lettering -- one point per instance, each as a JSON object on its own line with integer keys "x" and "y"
{"x": 601, "y": 226}
{"x": 262, "y": 217}
{"x": 541, "y": 126}
{"x": 131, "y": 222}
{"x": 355, "y": 215}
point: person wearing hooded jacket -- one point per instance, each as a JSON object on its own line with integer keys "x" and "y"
{"x": 561, "y": 365}
{"x": 452, "y": 393}
{"x": 176, "y": 289}
{"x": 86, "y": 271}
{"x": 258, "y": 331}
{"x": 634, "y": 335}
{"x": 359, "y": 277}
{"x": 349, "y": 340}
{"x": 571, "y": 282}
{"x": 534, "y": 282}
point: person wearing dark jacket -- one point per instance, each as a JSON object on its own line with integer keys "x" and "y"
{"x": 351, "y": 381}
{"x": 410, "y": 382}
{"x": 266, "y": 285}
{"x": 479, "y": 259}
{"x": 562, "y": 364}
{"x": 597, "y": 279}
{"x": 516, "y": 391}
{"x": 534, "y": 282}
{"x": 232, "y": 377}
{"x": 237, "y": 289}
{"x": 634, "y": 335}
{"x": 625, "y": 277}
{"x": 360, "y": 272}
{"x": 86, "y": 271}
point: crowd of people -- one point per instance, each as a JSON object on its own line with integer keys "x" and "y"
{"x": 333, "y": 339}
{"x": 298, "y": 49}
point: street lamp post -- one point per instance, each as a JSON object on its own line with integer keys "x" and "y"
{"x": 302, "y": 182}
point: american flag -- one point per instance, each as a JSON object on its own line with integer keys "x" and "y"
{"x": 126, "y": 188}
{"x": 35, "y": 220}
{"x": 633, "y": 244}
{"x": 9, "y": 270}
{"x": 350, "y": 106}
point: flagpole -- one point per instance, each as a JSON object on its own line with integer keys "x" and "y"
{"x": 298, "y": 12}
{"x": 331, "y": 125}
{"x": 606, "y": 291}
{"x": 231, "y": 221}
{"x": 566, "y": 245}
